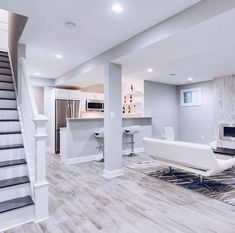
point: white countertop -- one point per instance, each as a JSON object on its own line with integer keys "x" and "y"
{"x": 101, "y": 118}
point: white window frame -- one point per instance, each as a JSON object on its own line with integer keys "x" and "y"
{"x": 198, "y": 103}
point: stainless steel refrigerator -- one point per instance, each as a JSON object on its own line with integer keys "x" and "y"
{"x": 64, "y": 109}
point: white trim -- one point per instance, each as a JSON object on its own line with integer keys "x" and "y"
{"x": 17, "y": 225}
{"x": 50, "y": 149}
{"x": 40, "y": 136}
{"x": 41, "y": 220}
{"x": 90, "y": 158}
{"x": 40, "y": 184}
{"x": 112, "y": 174}
{"x": 183, "y": 104}
{"x": 84, "y": 159}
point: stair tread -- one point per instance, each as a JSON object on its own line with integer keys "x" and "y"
{"x": 13, "y": 146}
{"x": 8, "y": 108}
{"x": 10, "y": 132}
{"x": 4, "y": 55}
{"x": 5, "y": 61}
{"x": 5, "y": 74}
{"x": 7, "y": 98}
{"x": 6, "y": 89}
{"x": 3, "y": 67}
{"x": 1, "y": 75}
{"x": 3, "y": 81}
{"x": 15, "y": 204}
{"x": 14, "y": 181}
{"x": 8, "y": 120}
{"x": 15, "y": 162}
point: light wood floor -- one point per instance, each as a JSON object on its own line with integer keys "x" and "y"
{"x": 82, "y": 201}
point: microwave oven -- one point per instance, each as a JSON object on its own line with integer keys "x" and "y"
{"x": 95, "y": 105}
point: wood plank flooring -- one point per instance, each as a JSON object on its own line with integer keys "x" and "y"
{"x": 82, "y": 201}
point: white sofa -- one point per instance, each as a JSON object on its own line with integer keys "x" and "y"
{"x": 191, "y": 157}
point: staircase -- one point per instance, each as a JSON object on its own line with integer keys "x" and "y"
{"x": 16, "y": 204}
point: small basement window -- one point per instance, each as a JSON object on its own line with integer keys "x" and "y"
{"x": 191, "y": 97}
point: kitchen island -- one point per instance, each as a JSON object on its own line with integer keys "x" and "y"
{"x": 78, "y": 143}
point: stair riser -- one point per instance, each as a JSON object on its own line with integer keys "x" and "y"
{"x": 7, "y": 94}
{"x": 4, "y": 58}
{"x": 4, "y": 52}
{"x": 5, "y": 71}
{"x": 8, "y": 114}
{"x": 9, "y": 139}
{"x": 4, "y": 64}
{"x": 16, "y": 217}
{"x": 7, "y": 103}
{"x": 13, "y": 171}
{"x": 6, "y": 85}
{"x": 6, "y": 78}
{"x": 15, "y": 191}
{"x": 9, "y": 126}
{"x": 12, "y": 154}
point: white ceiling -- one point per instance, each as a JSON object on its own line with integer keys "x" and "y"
{"x": 3, "y": 30}
{"x": 98, "y": 28}
{"x": 203, "y": 52}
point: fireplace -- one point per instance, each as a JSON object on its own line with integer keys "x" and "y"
{"x": 227, "y": 132}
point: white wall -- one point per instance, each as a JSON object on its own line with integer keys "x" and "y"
{"x": 160, "y": 102}
{"x": 3, "y": 30}
{"x": 192, "y": 124}
{"x": 196, "y": 123}
{"x": 38, "y": 93}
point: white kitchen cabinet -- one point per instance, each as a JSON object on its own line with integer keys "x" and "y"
{"x": 67, "y": 94}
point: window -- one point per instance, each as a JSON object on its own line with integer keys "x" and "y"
{"x": 191, "y": 97}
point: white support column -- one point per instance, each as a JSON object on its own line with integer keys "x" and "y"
{"x": 40, "y": 186}
{"x": 113, "y": 120}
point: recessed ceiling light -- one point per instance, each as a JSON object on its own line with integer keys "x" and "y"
{"x": 190, "y": 79}
{"x": 70, "y": 25}
{"x": 149, "y": 70}
{"x": 37, "y": 74}
{"x": 117, "y": 8}
{"x": 58, "y": 56}
{"x": 172, "y": 74}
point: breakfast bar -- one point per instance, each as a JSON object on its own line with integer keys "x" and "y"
{"x": 78, "y": 143}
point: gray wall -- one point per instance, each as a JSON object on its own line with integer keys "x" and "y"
{"x": 16, "y": 26}
{"x": 196, "y": 124}
{"x": 160, "y": 102}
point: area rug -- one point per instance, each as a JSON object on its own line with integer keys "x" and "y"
{"x": 222, "y": 186}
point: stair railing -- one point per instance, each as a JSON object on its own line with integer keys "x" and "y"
{"x": 33, "y": 127}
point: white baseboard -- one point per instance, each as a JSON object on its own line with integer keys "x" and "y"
{"x": 84, "y": 159}
{"x": 89, "y": 158}
{"x": 17, "y": 225}
{"x": 112, "y": 174}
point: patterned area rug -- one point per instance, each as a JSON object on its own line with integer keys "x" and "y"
{"x": 220, "y": 187}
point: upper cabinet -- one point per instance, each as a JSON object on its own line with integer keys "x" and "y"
{"x": 67, "y": 94}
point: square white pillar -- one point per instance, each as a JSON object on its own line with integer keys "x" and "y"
{"x": 113, "y": 120}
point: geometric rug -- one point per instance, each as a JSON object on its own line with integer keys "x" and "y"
{"x": 222, "y": 185}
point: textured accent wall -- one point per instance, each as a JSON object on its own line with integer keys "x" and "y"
{"x": 224, "y": 88}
